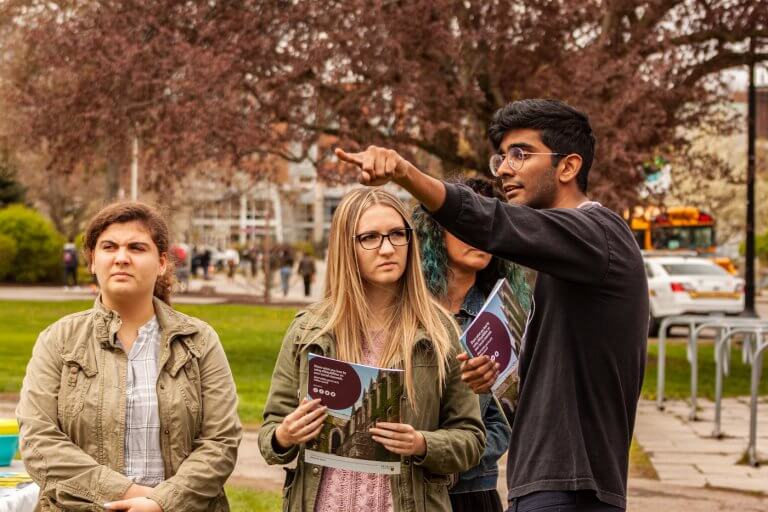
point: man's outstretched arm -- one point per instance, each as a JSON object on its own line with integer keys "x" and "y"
{"x": 567, "y": 243}
{"x": 380, "y": 165}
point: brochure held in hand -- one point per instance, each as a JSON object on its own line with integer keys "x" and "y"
{"x": 357, "y": 396}
{"x": 497, "y": 332}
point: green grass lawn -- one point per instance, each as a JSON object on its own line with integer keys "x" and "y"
{"x": 252, "y": 334}
{"x": 247, "y": 500}
{"x": 678, "y": 373}
{"x": 640, "y": 465}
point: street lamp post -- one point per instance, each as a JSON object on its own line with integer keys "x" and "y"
{"x": 267, "y": 248}
{"x": 749, "y": 271}
{"x": 135, "y": 169}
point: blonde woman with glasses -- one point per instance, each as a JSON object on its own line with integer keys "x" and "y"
{"x": 376, "y": 311}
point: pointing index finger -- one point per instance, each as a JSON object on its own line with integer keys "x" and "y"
{"x": 352, "y": 158}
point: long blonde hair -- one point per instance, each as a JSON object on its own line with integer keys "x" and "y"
{"x": 347, "y": 310}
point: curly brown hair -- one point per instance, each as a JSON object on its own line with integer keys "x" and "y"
{"x": 151, "y": 219}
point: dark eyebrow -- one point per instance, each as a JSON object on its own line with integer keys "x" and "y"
{"x": 130, "y": 244}
{"x": 380, "y": 233}
{"x": 522, "y": 145}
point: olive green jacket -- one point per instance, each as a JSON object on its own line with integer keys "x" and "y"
{"x": 451, "y": 424}
{"x": 72, "y": 413}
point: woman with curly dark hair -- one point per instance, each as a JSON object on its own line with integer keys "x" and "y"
{"x": 130, "y": 405}
{"x": 461, "y": 277}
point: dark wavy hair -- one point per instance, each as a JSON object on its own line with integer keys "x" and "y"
{"x": 434, "y": 255}
{"x": 151, "y": 219}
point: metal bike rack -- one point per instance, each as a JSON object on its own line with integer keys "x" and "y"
{"x": 693, "y": 359}
{"x": 757, "y": 366}
{"x": 693, "y": 323}
{"x": 755, "y": 345}
{"x": 688, "y": 321}
{"x": 722, "y": 363}
{"x": 724, "y": 326}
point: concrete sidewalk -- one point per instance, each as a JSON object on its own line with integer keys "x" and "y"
{"x": 683, "y": 452}
{"x": 218, "y": 289}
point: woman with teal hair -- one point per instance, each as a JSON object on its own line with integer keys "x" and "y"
{"x": 461, "y": 277}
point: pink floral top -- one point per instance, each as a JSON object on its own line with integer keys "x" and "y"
{"x": 342, "y": 490}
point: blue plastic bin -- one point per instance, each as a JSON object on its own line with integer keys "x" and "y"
{"x": 9, "y": 443}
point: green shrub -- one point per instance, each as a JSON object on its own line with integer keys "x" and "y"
{"x": 761, "y": 247}
{"x": 8, "y": 250}
{"x": 39, "y": 245}
{"x": 84, "y": 277}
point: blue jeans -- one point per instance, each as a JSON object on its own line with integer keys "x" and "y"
{"x": 285, "y": 276}
{"x": 560, "y": 501}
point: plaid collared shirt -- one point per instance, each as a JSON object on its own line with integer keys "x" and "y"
{"x": 143, "y": 460}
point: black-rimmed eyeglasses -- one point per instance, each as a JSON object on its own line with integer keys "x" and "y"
{"x": 372, "y": 240}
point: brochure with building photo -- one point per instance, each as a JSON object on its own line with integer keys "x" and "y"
{"x": 357, "y": 396}
{"x": 497, "y": 332}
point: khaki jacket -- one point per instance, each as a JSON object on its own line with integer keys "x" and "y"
{"x": 72, "y": 413}
{"x": 451, "y": 425}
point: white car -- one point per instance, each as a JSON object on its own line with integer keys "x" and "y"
{"x": 689, "y": 285}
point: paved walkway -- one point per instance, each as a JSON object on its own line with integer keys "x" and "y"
{"x": 654, "y": 496}
{"x": 219, "y": 289}
{"x": 684, "y": 452}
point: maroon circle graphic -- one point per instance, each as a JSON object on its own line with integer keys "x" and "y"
{"x": 489, "y": 337}
{"x": 334, "y": 382}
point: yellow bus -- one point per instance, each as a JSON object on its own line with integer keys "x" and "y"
{"x": 677, "y": 228}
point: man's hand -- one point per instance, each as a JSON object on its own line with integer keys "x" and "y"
{"x": 479, "y": 373}
{"x": 134, "y": 505}
{"x": 377, "y": 165}
{"x": 399, "y": 438}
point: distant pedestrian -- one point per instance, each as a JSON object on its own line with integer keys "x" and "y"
{"x": 205, "y": 262}
{"x": 307, "y": 272}
{"x": 194, "y": 261}
{"x": 286, "y": 268}
{"x": 70, "y": 262}
{"x": 253, "y": 256}
{"x": 232, "y": 258}
{"x": 180, "y": 257}
{"x": 245, "y": 260}
{"x": 270, "y": 262}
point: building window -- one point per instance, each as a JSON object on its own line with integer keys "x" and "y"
{"x": 304, "y": 213}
